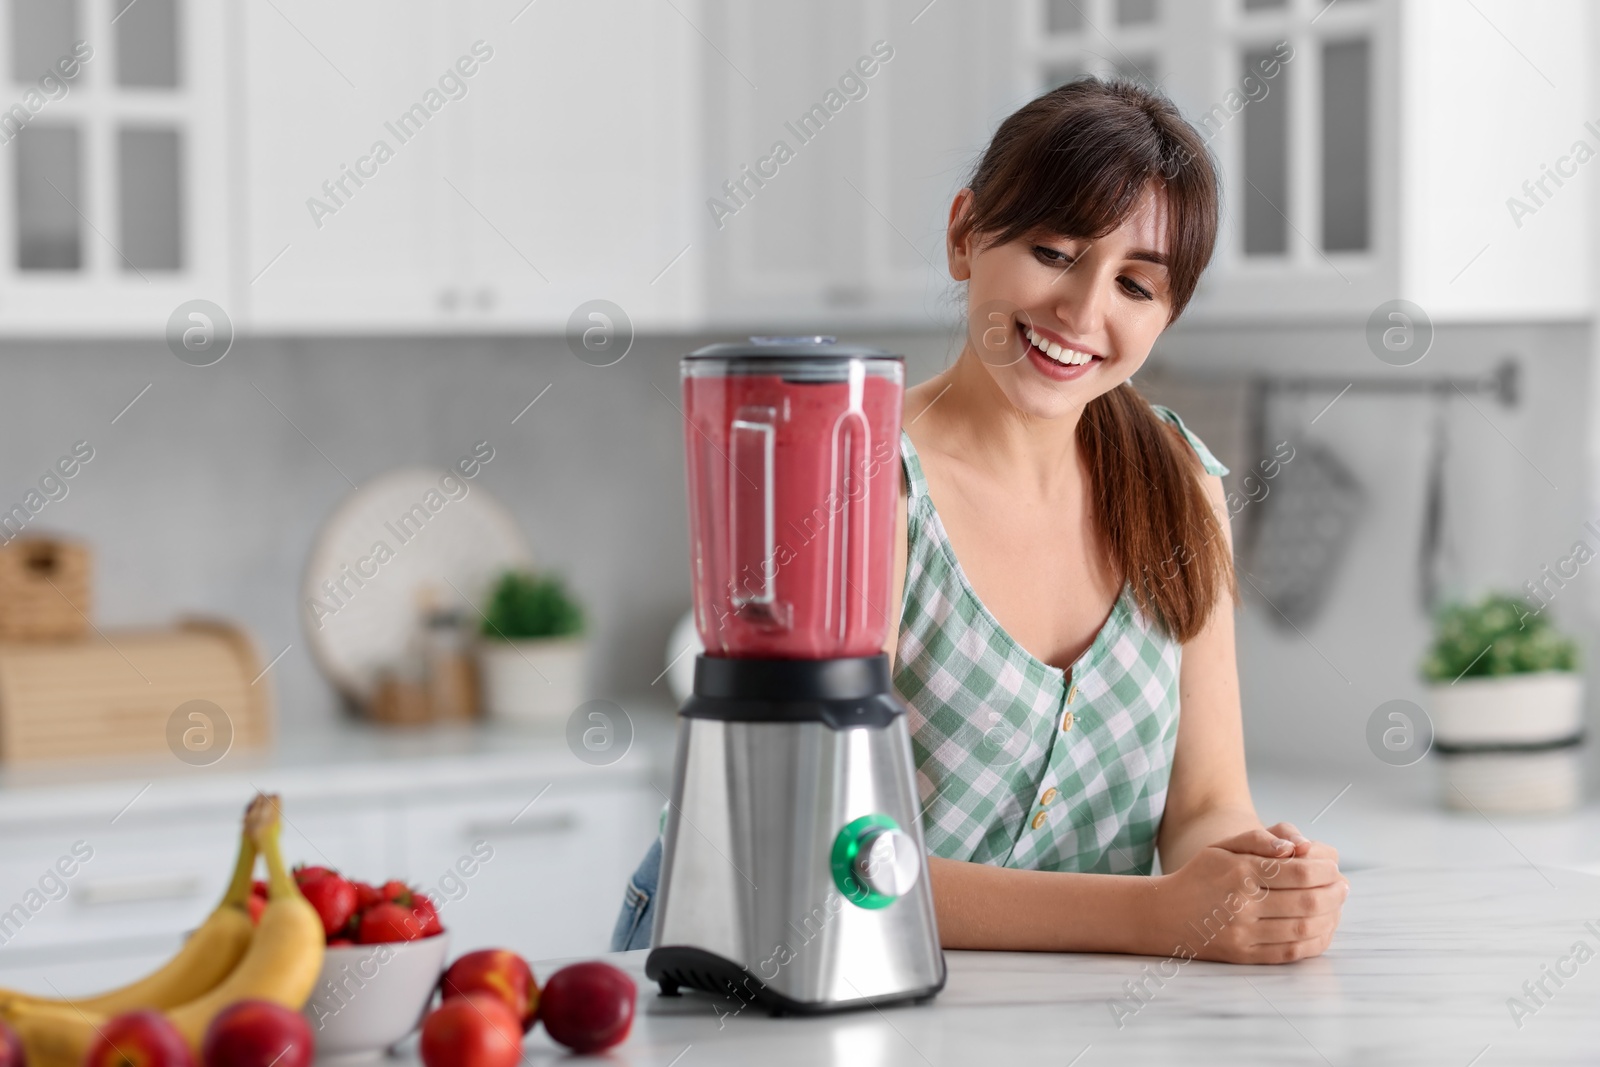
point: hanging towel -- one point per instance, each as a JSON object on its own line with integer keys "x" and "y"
{"x": 1432, "y": 551}
{"x": 1303, "y": 532}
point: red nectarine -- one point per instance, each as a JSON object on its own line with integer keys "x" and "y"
{"x": 258, "y": 1033}
{"x": 11, "y": 1053}
{"x": 474, "y": 1030}
{"x": 588, "y": 1006}
{"x": 142, "y": 1037}
{"x": 500, "y": 972}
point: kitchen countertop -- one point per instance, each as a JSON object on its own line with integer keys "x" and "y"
{"x": 329, "y": 760}
{"x": 1386, "y": 816}
{"x": 1394, "y": 818}
{"x": 1420, "y": 972}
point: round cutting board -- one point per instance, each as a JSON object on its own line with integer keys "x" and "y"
{"x": 404, "y": 537}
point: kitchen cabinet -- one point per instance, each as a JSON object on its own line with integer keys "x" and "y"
{"x": 488, "y": 165}
{"x": 115, "y": 181}
{"x": 523, "y": 845}
{"x": 156, "y": 876}
{"x": 493, "y": 165}
{"x": 343, "y": 206}
{"x": 836, "y": 135}
{"x": 542, "y": 879}
{"x": 1349, "y": 137}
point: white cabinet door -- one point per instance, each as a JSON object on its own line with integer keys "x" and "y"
{"x": 484, "y": 165}
{"x": 779, "y": 235}
{"x": 80, "y": 971}
{"x": 571, "y": 180}
{"x": 114, "y": 177}
{"x": 73, "y": 883}
{"x": 97, "y": 883}
{"x": 348, "y": 131}
{"x": 928, "y": 119}
{"x": 544, "y": 880}
{"x": 837, "y": 134}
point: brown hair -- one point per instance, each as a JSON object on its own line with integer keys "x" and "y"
{"x": 1075, "y": 161}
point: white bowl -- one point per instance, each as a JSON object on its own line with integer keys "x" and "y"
{"x": 368, "y": 997}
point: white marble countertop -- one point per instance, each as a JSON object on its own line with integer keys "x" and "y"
{"x": 330, "y": 760}
{"x": 1394, "y": 818}
{"x": 1420, "y": 972}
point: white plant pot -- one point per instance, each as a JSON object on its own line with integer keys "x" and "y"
{"x": 1499, "y": 742}
{"x": 538, "y": 681}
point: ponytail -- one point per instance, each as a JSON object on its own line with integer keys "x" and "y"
{"x": 1162, "y": 530}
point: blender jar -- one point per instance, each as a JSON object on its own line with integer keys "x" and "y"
{"x": 791, "y": 452}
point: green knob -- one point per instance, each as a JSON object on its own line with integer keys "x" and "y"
{"x": 874, "y": 862}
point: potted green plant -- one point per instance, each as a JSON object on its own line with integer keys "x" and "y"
{"x": 1507, "y": 707}
{"x": 532, "y": 648}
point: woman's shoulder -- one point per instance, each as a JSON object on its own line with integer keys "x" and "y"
{"x": 1208, "y": 459}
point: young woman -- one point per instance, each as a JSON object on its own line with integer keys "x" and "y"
{"x": 1073, "y": 587}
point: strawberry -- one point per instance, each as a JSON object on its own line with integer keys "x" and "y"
{"x": 425, "y": 911}
{"x": 396, "y": 892}
{"x": 257, "y": 904}
{"x": 338, "y": 942}
{"x": 367, "y": 895}
{"x": 389, "y": 922}
{"x": 259, "y": 888}
{"x": 304, "y": 875}
{"x": 335, "y": 901}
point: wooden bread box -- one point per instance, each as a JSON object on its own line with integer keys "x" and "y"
{"x": 119, "y": 695}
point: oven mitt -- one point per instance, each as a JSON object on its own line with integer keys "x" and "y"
{"x": 1302, "y": 535}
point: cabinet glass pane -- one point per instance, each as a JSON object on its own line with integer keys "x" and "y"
{"x": 1132, "y": 12}
{"x": 1346, "y": 146}
{"x": 150, "y": 198}
{"x": 1063, "y": 16}
{"x": 42, "y": 31}
{"x": 48, "y": 165}
{"x": 1266, "y": 164}
{"x": 147, "y": 43}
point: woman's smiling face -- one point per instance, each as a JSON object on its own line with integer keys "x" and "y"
{"x": 1096, "y": 306}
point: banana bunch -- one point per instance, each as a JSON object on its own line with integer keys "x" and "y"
{"x": 224, "y": 961}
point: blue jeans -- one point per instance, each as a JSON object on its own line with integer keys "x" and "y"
{"x": 633, "y": 924}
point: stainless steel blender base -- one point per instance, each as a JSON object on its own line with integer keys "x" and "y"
{"x": 753, "y": 902}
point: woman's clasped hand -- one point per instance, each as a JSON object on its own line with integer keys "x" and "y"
{"x": 1263, "y": 896}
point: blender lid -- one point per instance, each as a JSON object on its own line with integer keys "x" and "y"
{"x": 810, "y": 347}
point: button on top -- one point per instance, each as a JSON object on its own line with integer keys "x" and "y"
{"x": 1072, "y": 692}
{"x": 1049, "y": 795}
{"x": 1066, "y": 722}
{"x": 1038, "y": 820}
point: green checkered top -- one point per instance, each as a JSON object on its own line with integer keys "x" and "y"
{"x": 1019, "y": 763}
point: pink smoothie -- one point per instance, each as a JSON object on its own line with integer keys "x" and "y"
{"x": 792, "y": 492}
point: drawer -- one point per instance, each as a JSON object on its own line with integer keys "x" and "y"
{"x": 145, "y": 879}
{"x": 86, "y": 969}
{"x": 543, "y": 879}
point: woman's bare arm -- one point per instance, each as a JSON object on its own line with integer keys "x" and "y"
{"x": 1208, "y": 796}
{"x": 1002, "y": 908}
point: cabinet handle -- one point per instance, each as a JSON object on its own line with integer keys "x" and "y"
{"x": 138, "y": 890}
{"x": 559, "y": 822}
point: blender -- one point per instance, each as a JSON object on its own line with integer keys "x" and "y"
{"x": 793, "y": 873}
